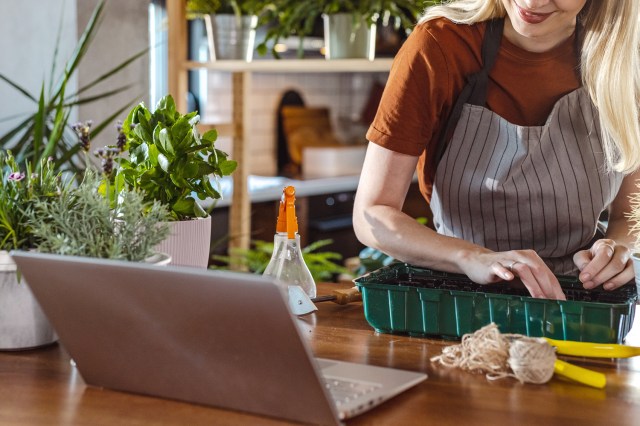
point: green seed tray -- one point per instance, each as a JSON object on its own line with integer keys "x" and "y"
{"x": 401, "y": 298}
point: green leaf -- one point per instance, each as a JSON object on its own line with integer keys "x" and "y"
{"x": 180, "y": 131}
{"x": 165, "y": 145}
{"x": 39, "y": 123}
{"x": 167, "y": 106}
{"x": 163, "y": 162}
{"x": 113, "y": 71}
{"x": 210, "y": 136}
{"x": 185, "y": 206}
{"x": 228, "y": 166}
{"x": 190, "y": 171}
{"x": 153, "y": 154}
{"x": 18, "y": 87}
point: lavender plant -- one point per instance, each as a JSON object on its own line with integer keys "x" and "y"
{"x": 82, "y": 222}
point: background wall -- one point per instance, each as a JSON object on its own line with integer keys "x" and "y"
{"x": 345, "y": 94}
{"x": 124, "y": 31}
{"x": 28, "y": 30}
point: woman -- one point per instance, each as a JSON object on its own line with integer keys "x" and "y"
{"x": 521, "y": 118}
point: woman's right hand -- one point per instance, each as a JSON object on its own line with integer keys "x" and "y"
{"x": 489, "y": 267}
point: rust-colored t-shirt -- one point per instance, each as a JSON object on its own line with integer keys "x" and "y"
{"x": 429, "y": 72}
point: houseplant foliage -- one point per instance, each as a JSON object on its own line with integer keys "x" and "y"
{"x": 322, "y": 265}
{"x": 298, "y": 17}
{"x": 45, "y": 132}
{"x": 169, "y": 161}
{"x": 20, "y": 190}
{"x": 82, "y": 222}
{"x": 236, "y": 7}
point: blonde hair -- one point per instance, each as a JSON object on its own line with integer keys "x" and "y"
{"x": 609, "y": 66}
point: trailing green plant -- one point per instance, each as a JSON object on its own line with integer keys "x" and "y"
{"x": 46, "y": 132}
{"x": 322, "y": 265}
{"x": 82, "y": 222}
{"x": 237, "y": 7}
{"x": 169, "y": 161}
{"x": 20, "y": 189}
{"x": 298, "y": 17}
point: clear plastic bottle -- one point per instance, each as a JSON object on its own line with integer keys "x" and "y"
{"x": 287, "y": 263}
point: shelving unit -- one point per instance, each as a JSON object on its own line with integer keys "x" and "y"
{"x": 240, "y": 127}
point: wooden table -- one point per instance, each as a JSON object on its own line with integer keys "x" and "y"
{"x": 41, "y": 387}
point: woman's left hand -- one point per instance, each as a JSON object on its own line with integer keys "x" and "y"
{"x": 606, "y": 263}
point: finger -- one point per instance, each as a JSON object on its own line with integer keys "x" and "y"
{"x": 540, "y": 281}
{"x": 502, "y": 271}
{"x": 602, "y": 255}
{"x": 616, "y": 265}
{"x": 619, "y": 280}
{"x": 582, "y": 259}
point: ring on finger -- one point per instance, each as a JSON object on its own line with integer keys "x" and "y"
{"x": 609, "y": 246}
{"x": 512, "y": 264}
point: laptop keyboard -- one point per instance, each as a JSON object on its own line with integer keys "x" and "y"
{"x": 345, "y": 390}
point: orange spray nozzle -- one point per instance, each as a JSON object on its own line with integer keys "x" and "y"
{"x": 287, "y": 220}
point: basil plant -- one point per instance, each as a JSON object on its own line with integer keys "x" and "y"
{"x": 169, "y": 161}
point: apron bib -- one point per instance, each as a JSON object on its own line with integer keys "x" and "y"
{"x": 509, "y": 187}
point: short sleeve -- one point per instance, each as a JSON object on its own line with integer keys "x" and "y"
{"x": 415, "y": 94}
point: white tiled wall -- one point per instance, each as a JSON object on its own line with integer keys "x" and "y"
{"x": 345, "y": 94}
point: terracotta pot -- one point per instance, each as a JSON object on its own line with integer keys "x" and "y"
{"x": 23, "y": 325}
{"x": 188, "y": 243}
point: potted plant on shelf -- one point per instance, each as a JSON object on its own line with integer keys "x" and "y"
{"x": 170, "y": 162}
{"x": 349, "y": 26}
{"x": 231, "y": 26}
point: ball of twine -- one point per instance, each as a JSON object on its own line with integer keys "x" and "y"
{"x": 497, "y": 355}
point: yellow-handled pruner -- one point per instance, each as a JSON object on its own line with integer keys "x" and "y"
{"x": 592, "y": 350}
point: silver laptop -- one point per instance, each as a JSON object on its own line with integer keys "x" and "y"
{"x": 219, "y": 338}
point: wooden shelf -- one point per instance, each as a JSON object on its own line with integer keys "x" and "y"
{"x": 295, "y": 65}
{"x": 242, "y": 71}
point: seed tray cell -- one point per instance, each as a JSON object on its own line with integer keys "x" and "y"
{"x": 401, "y": 298}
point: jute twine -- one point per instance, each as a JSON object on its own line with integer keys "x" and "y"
{"x": 497, "y": 355}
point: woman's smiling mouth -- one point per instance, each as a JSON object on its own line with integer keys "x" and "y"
{"x": 531, "y": 17}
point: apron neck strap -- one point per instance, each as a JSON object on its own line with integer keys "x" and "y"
{"x": 475, "y": 91}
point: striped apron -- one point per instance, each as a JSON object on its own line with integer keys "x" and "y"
{"x": 509, "y": 187}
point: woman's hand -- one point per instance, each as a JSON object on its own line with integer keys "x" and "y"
{"x": 489, "y": 267}
{"x": 606, "y": 263}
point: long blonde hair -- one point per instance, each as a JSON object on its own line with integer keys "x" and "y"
{"x": 609, "y": 66}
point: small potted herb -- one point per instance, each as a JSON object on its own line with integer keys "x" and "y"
{"x": 171, "y": 163}
{"x": 82, "y": 222}
{"x": 22, "y": 322}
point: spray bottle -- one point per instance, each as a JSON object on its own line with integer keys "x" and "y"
{"x": 287, "y": 263}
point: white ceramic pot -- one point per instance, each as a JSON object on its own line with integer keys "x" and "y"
{"x": 344, "y": 40}
{"x": 189, "y": 242}
{"x": 23, "y": 325}
{"x": 231, "y": 37}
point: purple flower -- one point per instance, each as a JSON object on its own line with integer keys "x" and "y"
{"x": 16, "y": 176}
{"x": 83, "y": 130}
{"x": 121, "y": 140}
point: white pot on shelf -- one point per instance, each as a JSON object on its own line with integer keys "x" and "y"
{"x": 231, "y": 37}
{"x": 23, "y": 325}
{"x": 189, "y": 242}
{"x": 343, "y": 39}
